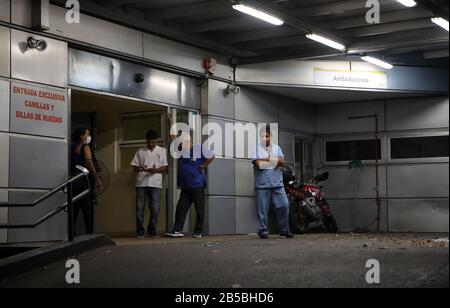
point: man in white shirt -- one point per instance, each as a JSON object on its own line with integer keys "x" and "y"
{"x": 150, "y": 163}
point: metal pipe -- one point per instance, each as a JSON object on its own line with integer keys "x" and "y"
{"x": 70, "y": 213}
{"x": 377, "y": 164}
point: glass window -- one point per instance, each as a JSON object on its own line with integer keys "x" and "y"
{"x": 136, "y": 126}
{"x": 419, "y": 147}
{"x": 352, "y": 150}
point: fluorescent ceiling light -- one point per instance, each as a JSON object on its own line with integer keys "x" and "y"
{"x": 258, "y": 14}
{"x": 441, "y": 22}
{"x": 378, "y": 62}
{"x": 326, "y": 41}
{"x": 408, "y": 3}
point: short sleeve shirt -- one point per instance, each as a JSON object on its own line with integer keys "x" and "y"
{"x": 189, "y": 174}
{"x": 150, "y": 159}
{"x": 271, "y": 177}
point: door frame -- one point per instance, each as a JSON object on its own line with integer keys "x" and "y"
{"x": 171, "y": 177}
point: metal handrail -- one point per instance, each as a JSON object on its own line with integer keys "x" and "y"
{"x": 69, "y": 204}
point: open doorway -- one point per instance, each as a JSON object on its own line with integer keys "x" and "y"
{"x": 118, "y": 127}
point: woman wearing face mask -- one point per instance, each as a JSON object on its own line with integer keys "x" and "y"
{"x": 82, "y": 155}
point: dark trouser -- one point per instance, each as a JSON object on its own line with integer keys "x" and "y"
{"x": 188, "y": 196}
{"x": 86, "y": 205}
{"x": 153, "y": 195}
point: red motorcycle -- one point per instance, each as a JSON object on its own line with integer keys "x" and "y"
{"x": 308, "y": 204}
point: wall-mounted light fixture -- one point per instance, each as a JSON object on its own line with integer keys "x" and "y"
{"x": 39, "y": 45}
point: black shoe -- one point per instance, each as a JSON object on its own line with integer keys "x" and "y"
{"x": 264, "y": 236}
{"x": 287, "y": 235}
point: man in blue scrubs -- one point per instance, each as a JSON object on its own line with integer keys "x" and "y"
{"x": 269, "y": 185}
{"x": 192, "y": 167}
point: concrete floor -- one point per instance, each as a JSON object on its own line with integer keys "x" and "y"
{"x": 320, "y": 260}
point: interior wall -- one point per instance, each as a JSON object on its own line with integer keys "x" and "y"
{"x": 415, "y": 192}
{"x": 115, "y": 214}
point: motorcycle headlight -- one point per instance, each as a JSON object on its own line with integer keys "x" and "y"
{"x": 314, "y": 194}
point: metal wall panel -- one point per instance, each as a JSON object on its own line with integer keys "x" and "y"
{"x": 333, "y": 118}
{"x": 97, "y": 32}
{"x": 296, "y": 115}
{"x": 422, "y": 113}
{"x": 49, "y": 119}
{"x": 222, "y": 215}
{"x": 53, "y": 230}
{"x": 245, "y": 179}
{"x": 4, "y": 105}
{"x": 21, "y": 12}
{"x": 257, "y": 107}
{"x": 221, "y": 174}
{"x": 366, "y": 213}
{"x": 4, "y": 160}
{"x": 5, "y": 48}
{"x": 246, "y": 216}
{"x": 37, "y": 162}
{"x": 418, "y": 181}
{"x": 226, "y": 146}
{"x": 47, "y": 67}
{"x": 190, "y": 58}
{"x": 3, "y": 216}
{"x": 5, "y": 10}
{"x": 413, "y": 215}
{"x": 352, "y": 215}
{"x": 353, "y": 183}
{"x": 107, "y": 74}
{"x": 246, "y": 140}
{"x": 287, "y": 142}
{"x": 218, "y": 101}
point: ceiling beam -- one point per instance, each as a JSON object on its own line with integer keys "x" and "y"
{"x": 277, "y": 42}
{"x": 336, "y": 24}
{"x": 398, "y": 40}
{"x": 386, "y": 17}
{"x": 117, "y": 2}
{"x": 378, "y": 29}
{"x": 298, "y": 23}
{"x": 164, "y": 31}
{"x": 336, "y": 7}
{"x": 259, "y": 35}
{"x": 436, "y": 54}
{"x": 187, "y": 10}
{"x": 431, "y": 7}
{"x": 222, "y": 24}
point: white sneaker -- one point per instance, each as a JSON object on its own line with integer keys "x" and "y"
{"x": 175, "y": 234}
{"x": 198, "y": 235}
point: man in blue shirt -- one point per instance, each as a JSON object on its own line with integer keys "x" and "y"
{"x": 192, "y": 167}
{"x": 269, "y": 185}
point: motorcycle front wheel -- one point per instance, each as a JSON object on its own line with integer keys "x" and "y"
{"x": 297, "y": 223}
{"x": 331, "y": 224}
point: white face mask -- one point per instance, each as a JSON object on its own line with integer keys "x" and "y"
{"x": 88, "y": 140}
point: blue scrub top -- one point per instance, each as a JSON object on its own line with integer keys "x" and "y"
{"x": 268, "y": 178}
{"x": 189, "y": 175}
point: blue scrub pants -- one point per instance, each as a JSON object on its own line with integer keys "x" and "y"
{"x": 277, "y": 197}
